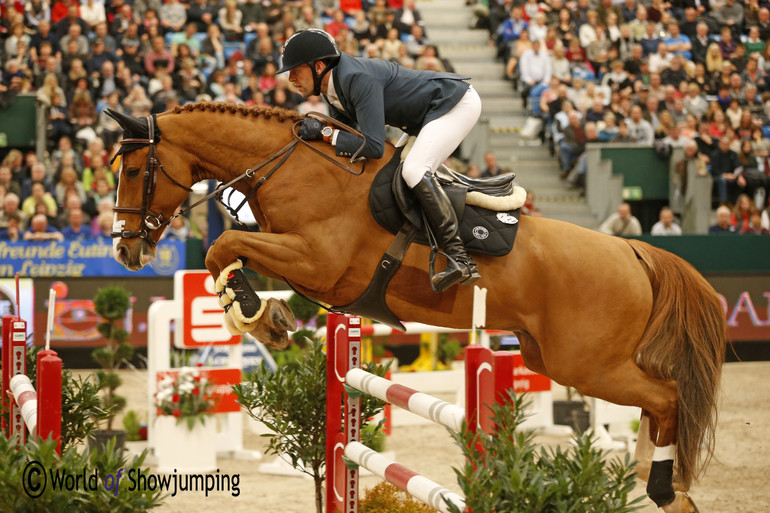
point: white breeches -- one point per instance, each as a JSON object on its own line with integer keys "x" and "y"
{"x": 439, "y": 138}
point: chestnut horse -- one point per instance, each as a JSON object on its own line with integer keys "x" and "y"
{"x": 616, "y": 319}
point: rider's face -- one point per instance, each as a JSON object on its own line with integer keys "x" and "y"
{"x": 302, "y": 78}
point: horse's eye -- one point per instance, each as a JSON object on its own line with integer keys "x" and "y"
{"x": 133, "y": 172}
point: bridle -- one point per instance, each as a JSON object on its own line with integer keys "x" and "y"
{"x": 152, "y": 220}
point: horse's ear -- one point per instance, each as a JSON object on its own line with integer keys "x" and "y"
{"x": 130, "y": 124}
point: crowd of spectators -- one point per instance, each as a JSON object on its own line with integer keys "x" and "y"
{"x": 684, "y": 74}
{"x": 148, "y": 56}
{"x": 669, "y": 73}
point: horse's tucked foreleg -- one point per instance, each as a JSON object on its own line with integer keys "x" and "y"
{"x": 275, "y": 255}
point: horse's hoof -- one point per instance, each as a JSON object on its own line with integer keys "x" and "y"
{"x": 682, "y": 503}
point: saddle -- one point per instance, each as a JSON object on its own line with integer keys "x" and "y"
{"x": 482, "y": 230}
{"x": 395, "y": 208}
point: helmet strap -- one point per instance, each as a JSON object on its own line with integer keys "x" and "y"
{"x": 317, "y": 79}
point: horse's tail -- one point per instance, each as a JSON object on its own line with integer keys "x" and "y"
{"x": 684, "y": 341}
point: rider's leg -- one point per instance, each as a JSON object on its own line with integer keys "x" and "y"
{"x": 435, "y": 142}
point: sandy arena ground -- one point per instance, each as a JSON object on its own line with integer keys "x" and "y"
{"x": 736, "y": 481}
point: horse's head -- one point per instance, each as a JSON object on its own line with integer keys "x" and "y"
{"x": 148, "y": 195}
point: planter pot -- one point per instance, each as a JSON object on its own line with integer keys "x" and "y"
{"x": 572, "y": 414}
{"x": 187, "y": 451}
{"x": 98, "y": 440}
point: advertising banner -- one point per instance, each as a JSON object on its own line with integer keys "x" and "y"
{"x": 76, "y": 259}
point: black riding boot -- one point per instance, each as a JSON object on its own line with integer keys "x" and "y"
{"x": 443, "y": 222}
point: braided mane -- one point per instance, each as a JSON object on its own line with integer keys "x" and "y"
{"x": 256, "y": 111}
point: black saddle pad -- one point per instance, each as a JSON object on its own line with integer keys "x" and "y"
{"x": 483, "y": 231}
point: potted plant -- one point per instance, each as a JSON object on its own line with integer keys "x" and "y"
{"x": 184, "y": 427}
{"x": 111, "y": 303}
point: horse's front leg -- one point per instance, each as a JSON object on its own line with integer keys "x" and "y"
{"x": 273, "y": 255}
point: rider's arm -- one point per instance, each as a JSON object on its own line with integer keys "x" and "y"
{"x": 366, "y": 95}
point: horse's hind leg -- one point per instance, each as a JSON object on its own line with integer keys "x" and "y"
{"x": 627, "y": 384}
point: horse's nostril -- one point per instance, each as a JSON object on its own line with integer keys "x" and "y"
{"x": 121, "y": 253}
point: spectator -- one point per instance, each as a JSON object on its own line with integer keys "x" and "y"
{"x": 723, "y": 226}
{"x": 622, "y": 223}
{"x": 76, "y": 229}
{"x": 741, "y": 214}
{"x": 700, "y": 43}
{"x": 535, "y": 68}
{"x": 492, "y": 168}
{"x": 58, "y": 119}
{"x": 7, "y": 181}
{"x": 730, "y": 16}
{"x": 678, "y": 43}
{"x": 93, "y": 12}
{"x": 695, "y": 103}
{"x": 136, "y": 102}
{"x": 188, "y": 39}
{"x": 96, "y": 170}
{"x": 159, "y": 57}
{"x": 75, "y": 33}
{"x": 639, "y": 129}
{"x": 724, "y": 170}
{"x": 40, "y": 230}
{"x": 201, "y": 12}
{"x": 577, "y": 178}
{"x": 172, "y": 16}
{"x": 69, "y": 183}
{"x": 511, "y": 31}
{"x": 12, "y": 230}
{"x": 37, "y": 174}
{"x": 512, "y": 69}
{"x": 313, "y": 104}
{"x": 230, "y": 18}
{"x": 11, "y": 204}
{"x": 666, "y": 224}
{"x": 529, "y": 208}
{"x": 178, "y": 228}
{"x": 103, "y": 225}
{"x": 416, "y": 41}
{"x": 39, "y": 195}
{"x": 572, "y": 144}
{"x": 750, "y": 168}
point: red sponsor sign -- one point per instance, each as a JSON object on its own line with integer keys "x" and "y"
{"x": 222, "y": 381}
{"x": 524, "y": 380}
{"x": 202, "y": 317}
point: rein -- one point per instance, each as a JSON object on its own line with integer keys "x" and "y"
{"x": 154, "y": 221}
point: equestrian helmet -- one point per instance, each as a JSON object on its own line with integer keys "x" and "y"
{"x": 308, "y": 46}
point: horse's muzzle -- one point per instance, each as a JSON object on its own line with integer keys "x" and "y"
{"x": 134, "y": 254}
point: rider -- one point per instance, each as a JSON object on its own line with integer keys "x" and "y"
{"x": 439, "y": 108}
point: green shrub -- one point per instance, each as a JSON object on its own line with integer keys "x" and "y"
{"x": 292, "y": 403}
{"x": 14, "y": 497}
{"x": 132, "y": 426}
{"x": 509, "y": 472}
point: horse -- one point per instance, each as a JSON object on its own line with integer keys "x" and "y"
{"x": 616, "y": 319}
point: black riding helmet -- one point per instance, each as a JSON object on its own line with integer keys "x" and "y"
{"x": 307, "y": 47}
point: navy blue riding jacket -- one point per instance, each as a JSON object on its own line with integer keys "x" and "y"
{"x": 375, "y": 93}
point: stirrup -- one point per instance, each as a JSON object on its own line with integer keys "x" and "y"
{"x": 463, "y": 271}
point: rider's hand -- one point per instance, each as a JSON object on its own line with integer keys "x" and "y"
{"x": 311, "y": 130}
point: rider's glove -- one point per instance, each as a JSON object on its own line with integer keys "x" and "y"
{"x": 311, "y": 130}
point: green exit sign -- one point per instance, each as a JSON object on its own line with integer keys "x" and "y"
{"x": 3, "y": 139}
{"x": 632, "y": 193}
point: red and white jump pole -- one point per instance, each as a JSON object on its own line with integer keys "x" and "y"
{"x": 39, "y": 411}
{"x": 483, "y": 388}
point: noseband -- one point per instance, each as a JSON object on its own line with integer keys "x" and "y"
{"x": 151, "y": 220}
